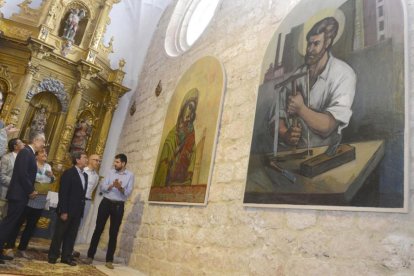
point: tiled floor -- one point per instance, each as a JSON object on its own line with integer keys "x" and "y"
{"x": 99, "y": 262}
{"x": 120, "y": 269}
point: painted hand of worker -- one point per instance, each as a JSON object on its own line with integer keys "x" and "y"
{"x": 295, "y": 104}
{"x": 64, "y": 216}
{"x": 293, "y": 135}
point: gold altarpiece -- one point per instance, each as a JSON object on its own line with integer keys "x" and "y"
{"x": 55, "y": 75}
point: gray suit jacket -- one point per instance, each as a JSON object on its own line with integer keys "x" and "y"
{"x": 6, "y": 169}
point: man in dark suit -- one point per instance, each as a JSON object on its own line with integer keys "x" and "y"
{"x": 73, "y": 184}
{"x": 21, "y": 188}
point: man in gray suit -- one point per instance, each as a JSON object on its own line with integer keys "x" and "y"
{"x": 7, "y": 164}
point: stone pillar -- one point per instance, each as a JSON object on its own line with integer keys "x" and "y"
{"x": 110, "y": 105}
{"x": 63, "y": 149}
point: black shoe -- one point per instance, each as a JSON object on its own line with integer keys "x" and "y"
{"x": 68, "y": 262}
{"x": 5, "y": 258}
{"x": 51, "y": 261}
{"x": 76, "y": 254}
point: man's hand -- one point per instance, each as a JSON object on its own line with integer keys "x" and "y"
{"x": 33, "y": 195}
{"x": 292, "y": 136}
{"x": 118, "y": 185}
{"x": 49, "y": 174}
{"x": 10, "y": 129}
{"x": 295, "y": 104}
{"x": 64, "y": 216}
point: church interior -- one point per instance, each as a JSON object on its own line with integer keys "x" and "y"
{"x": 191, "y": 91}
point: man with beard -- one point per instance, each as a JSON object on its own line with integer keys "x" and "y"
{"x": 116, "y": 188}
{"x": 326, "y": 110}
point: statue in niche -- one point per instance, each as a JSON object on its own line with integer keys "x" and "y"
{"x": 83, "y": 130}
{"x": 39, "y": 120}
{"x": 38, "y": 123}
{"x": 71, "y": 24}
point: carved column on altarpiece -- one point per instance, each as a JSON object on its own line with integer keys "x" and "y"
{"x": 102, "y": 22}
{"x": 20, "y": 104}
{"x": 110, "y": 105}
{"x": 67, "y": 133}
{"x": 38, "y": 50}
{"x": 100, "y": 30}
{"x": 6, "y": 87}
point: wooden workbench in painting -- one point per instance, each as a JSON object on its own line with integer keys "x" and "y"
{"x": 337, "y": 186}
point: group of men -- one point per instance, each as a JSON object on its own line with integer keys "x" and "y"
{"x": 75, "y": 194}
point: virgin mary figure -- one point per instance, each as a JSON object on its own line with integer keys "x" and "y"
{"x": 176, "y": 163}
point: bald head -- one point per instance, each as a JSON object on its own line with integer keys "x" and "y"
{"x": 94, "y": 161}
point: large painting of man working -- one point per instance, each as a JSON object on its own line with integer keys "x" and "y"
{"x": 329, "y": 129}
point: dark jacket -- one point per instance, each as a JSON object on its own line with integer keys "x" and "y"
{"x": 72, "y": 193}
{"x": 23, "y": 177}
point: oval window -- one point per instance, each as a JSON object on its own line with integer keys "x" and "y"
{"x": 188, "y": 22}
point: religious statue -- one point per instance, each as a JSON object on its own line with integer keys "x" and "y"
{"x": 39, "y": 120}
{"x": 72, "y": 23}
{"x": 66, "y": 47}
{"x": 83, "y": 130}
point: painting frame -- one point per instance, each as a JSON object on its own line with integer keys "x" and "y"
{"x": 289, "y": 197}
{"x": 205, "y": 74}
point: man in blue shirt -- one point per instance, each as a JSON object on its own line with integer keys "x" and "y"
{"x": 116, "y": 188}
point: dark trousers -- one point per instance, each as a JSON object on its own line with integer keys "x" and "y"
{"x": 115, "y": 211}
{"x": 31, "y": 216}
{"x": 64, "y": 237}
{"x": 9, "y": 223}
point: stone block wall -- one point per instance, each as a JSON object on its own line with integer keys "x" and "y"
{"x": 225, "y": 238}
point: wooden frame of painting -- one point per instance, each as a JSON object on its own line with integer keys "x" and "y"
{"x": 331, "y": 121}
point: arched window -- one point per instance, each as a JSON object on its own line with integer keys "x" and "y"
{"x": 189, "y": 20}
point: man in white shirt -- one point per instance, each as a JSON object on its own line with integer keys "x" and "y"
{"x": 93, "y": 178}
{"x": 327, "y": 109}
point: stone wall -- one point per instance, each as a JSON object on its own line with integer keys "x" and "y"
{"x": 225, "y": 238}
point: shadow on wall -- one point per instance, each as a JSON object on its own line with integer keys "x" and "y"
{"x": 130, "y": 229}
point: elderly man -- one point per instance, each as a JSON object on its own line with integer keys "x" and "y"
{"x": 21, "y": 188}
{"x": 7, "y": 164}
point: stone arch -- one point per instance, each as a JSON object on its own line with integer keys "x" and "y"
{"x": 53, "y": 86}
